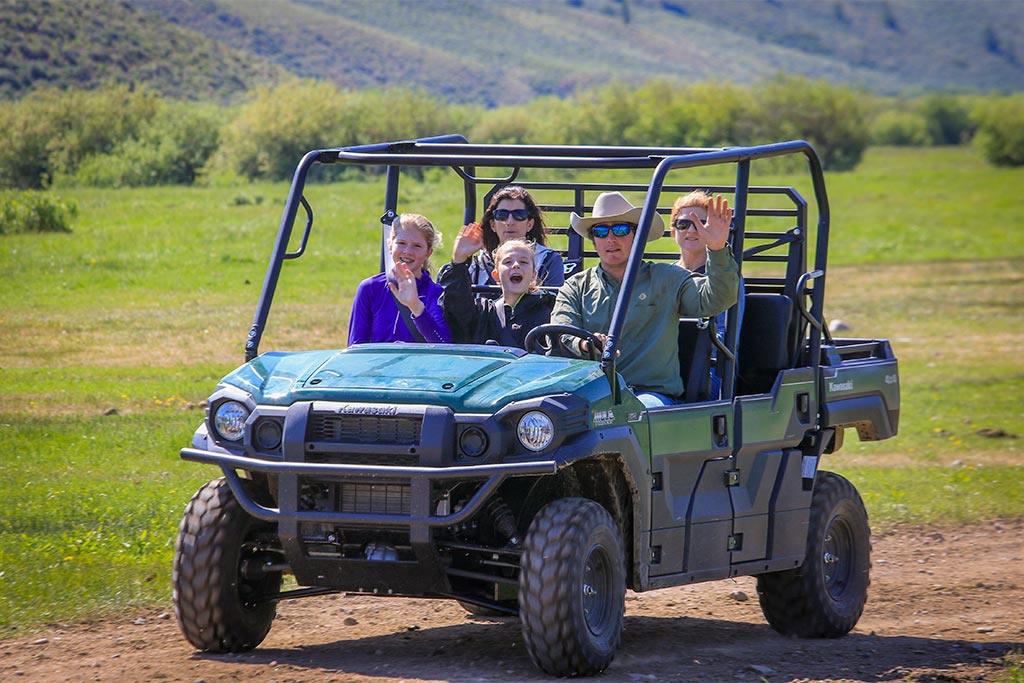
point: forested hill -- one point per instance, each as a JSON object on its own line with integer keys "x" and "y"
{"x": 508, "y": 51}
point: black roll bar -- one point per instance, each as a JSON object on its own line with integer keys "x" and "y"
{"x": 456, "y": 152}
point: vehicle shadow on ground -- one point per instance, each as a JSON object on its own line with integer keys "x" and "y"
{"x": 653, "y": 648}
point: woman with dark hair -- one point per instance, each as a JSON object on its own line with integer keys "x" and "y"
{"x": 512, "y": 214}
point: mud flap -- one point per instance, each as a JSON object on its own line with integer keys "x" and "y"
{"x": 809, "y": 464}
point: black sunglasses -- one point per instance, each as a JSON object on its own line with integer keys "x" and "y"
{"x": 503, "y": 214}
{"x": 681, "y": 224}
{"x": 619, "y": 230}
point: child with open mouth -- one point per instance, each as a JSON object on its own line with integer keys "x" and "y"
{"x": 505, "y": 320}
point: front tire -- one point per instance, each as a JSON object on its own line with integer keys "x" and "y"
{"x": 572, "y": 588}
{"x": 824, "y": 597}
{"x": 221, "y": 599}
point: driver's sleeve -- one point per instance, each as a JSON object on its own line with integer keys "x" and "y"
{"x": 568, "y": 310}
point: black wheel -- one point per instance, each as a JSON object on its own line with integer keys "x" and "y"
{"x": 824, "y": 597}
{"x": 572, "y": 588}
{"x": 221, "y": 594}
{"x": 551, "y": 334}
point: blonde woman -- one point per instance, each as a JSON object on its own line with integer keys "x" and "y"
{"x": 402, "y": 304}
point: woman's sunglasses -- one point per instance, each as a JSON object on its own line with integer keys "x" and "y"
{"x": 503, "y": 214}
{"x": 682, "y": 224}
{"x": 619, "y": 230}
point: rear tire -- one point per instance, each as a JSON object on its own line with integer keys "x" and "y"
{"x": 218, "y": 608}
{"x": 572, "y": 588}
{"x": 824, "y": 597}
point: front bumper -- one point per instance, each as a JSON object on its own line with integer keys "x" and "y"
{"x": 420, "y": 514}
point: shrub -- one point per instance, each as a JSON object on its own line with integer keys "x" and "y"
{"x": 602, "y": 116}
{"x": 543, "y": 121}
{"x": 1000, "y": 134}
{"x": 948, "y": 119}
{"x": 659, "y": 116}
{"x": 170, "y": 149}
{"x": 716, "y": 111}
{"x": 279, "y": 125}
{"x": 830, "y": 117}
{"x": 51, "y": 132}
{"x": 32, "y": 211}
{"x": 894, "y": 127}
{"x": 24, "y": 137}
{"x": 505, "y": 125}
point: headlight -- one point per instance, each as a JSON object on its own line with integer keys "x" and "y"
{"x": 267, "y": 435}
{"x": 535, "y": 430}
{"x": 229, "y": 420}
{"x": 473, "y": 441}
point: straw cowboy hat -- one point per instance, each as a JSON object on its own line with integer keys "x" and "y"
{"x": 611, "y": 207}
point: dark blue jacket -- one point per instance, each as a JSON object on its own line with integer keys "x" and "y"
{"x": 475, "y": 320}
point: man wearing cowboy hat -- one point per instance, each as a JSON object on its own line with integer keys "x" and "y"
{"x": 662, "y": 293}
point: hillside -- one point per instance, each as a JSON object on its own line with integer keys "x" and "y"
{"x": 85, "y": 43}
{"x": 509, "y": 51}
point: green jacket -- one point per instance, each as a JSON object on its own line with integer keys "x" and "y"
{"x": 648, "y": 349}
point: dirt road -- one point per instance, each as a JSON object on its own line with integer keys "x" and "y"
{"x": 946, "y": 604}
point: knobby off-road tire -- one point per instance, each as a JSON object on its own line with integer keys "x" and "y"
{"x": 825, "y": 597}
{"x": 219, "y": 609}
{"x": 572, "y": 588}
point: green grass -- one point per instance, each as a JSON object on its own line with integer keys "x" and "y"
{"x": 1014, "y": 668}
{"x": 111, "y": 336}
{"x": 955, "y": 326}
{"x": 936, "y": 495}
{"x": 92, "y": 504}
{"x": 910, "y": 206}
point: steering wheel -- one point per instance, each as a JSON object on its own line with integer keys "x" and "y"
{"x": 551, "y": 333}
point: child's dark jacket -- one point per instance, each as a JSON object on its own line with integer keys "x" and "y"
{"x": 475, "y": 320}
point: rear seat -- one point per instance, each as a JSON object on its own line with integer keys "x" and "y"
{"x": 767, "y": 338}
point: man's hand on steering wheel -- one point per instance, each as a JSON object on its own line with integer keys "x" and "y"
{"x": 591, "y": 344}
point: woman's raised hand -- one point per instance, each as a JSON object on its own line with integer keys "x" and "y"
{"x": 469, "y": 241}
{"x": 405, "y": 290}
{"x": 716, "y": 231}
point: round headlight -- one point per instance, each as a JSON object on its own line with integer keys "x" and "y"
{"x": 535, "y": 430}
{"x": 267, "y": 435}
{"x": 229, "y": 420}
{"x": 473, "y": 441}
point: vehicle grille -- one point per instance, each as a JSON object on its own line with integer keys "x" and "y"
{"x": 367, "y": 429}
{"x": 387, "y": 499}
{"x": 393, "y": 458}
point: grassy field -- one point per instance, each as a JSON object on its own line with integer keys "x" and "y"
{"x": 112, "y": 335}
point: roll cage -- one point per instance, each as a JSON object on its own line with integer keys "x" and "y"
{"x": 787, "y": 248}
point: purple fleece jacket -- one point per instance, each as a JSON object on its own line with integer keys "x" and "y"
{"x": 375, "y": 316}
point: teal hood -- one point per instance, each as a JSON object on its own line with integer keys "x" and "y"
{"x": 465, "y": 378}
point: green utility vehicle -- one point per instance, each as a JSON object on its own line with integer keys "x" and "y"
{"x": 532, "y": 483}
